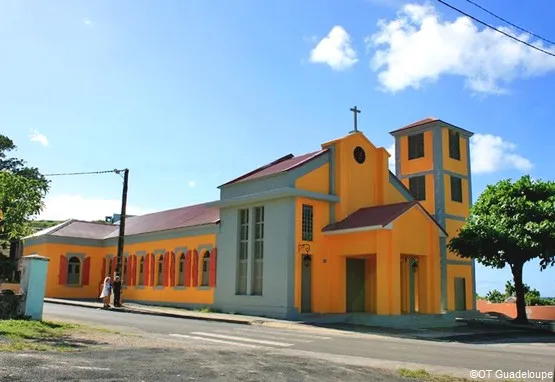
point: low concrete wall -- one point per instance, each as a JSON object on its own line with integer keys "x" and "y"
{"x": 12, "y": 286}
{"x": 509, "y": 309}
{"x": 11, "y": 306}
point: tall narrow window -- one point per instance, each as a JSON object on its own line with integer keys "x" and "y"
{"x": 308, "y": 222}
{"x": 110, "y": 270}
{"x": 243, "y": 255}
{"x": 124, "y": 272}
{"x": 417, "y": 187}
{"x": 205, "y": 269}
{"x": 456, "y": 189}
{"x": 416, "y": 146}
{"x": 73, "y": 271}
{"x": 142, "y": 271}
{"x": 160, "y": 279}
{"x": 181, "y": 281}
{"x": 454, "y": 145}
{"x": 258, "y": 268}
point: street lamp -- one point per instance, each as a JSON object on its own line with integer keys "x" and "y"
{"x": 307, "y": 259}
{"x": 414, "y": 262}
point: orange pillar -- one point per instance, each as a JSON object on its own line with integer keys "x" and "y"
{"x": 388, "y": 274}
{"x": 395, "y": 273}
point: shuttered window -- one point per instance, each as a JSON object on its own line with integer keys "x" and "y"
{"x": 454, "y": 145}
{"x": 456, "y": 189}
{"x": 417, "y": 187}
{"x": 416, "y": 146}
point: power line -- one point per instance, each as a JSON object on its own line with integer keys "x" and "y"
{"x": 85, "y": 173}
{"x": 511, "y": 24}
{"x": 495, "y": 29}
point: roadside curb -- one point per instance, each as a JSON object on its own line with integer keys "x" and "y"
{"x": 499, "y": 324}
{"x": 159, "y": 314}
{"x": 181, "y": 316}
{"x": 301, "y": 326}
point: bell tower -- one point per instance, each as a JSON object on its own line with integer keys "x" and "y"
{"x": 432, "y": 158}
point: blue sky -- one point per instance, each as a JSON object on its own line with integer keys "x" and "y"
{"x": 190, "y": 94}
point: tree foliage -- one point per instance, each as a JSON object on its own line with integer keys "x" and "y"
{"x": 531, "y": 296}
{"x": 510, "y": 224}
{"x": 18, "y": 166}
{"x": 22, "y": 190}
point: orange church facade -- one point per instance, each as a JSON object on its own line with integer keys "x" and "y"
{"x": 331, "y": 231}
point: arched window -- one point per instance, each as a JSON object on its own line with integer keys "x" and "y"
{"x": 181, "y": 279}
{"x": 73, "y": 271}
{"x": 142, "y": 271}
{"x": 160, "y": 280}
{"x": 205, "y": 269}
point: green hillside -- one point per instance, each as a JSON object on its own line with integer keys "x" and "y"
{"x": 38, "y": 225}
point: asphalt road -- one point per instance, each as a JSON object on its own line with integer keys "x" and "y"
{"x": 193, "y": 363}
{"x": 352, "y": 349}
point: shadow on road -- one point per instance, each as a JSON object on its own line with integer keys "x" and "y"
{"x": 462, "y": 334}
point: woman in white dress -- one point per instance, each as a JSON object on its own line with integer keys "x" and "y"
{"x": 106, "y": 292}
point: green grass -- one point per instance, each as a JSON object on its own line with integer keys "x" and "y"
{"x": 19, "y": 335}
{"x": 423, "y": 375}
{"x": 205, "y": 309}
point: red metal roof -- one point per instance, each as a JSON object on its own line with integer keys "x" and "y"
{"x": 283, "y": 164}
{"x": 183, "y": 217}
{"x": 377, "y": 216}
{"x": 425, "y": 121}
{"x": 416, "y": 124}
{"x": 84, "y": 230}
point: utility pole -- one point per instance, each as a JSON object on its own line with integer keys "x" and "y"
{"x": 122, "y": 221}
{"x": 119, "y": 256}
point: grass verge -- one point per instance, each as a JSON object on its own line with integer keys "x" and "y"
{"x": 423, "y": 375}
{"x": 20, "y": 335}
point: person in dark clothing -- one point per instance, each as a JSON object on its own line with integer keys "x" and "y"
{"x": 117, "y": 292}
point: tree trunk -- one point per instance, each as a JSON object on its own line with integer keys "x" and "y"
{"x": 519, "y": 289}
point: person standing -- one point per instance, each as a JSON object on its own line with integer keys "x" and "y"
{"x": 117, "y": 292}
{"x": 106, "y": 292}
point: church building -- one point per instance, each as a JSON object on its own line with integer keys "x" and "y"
{"x": 333, "y": 231}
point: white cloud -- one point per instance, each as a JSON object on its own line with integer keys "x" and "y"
{"x": 88, "y": 22}
{"x": 335, "y": 50}
{"x": 417, "y": 47}
{"x": 66, "y": 206}
{"x": 490, "y": 153}
{"x": 35, "y": 136}
{"x": 391, "y": 151}
{"x": 192, "y": 183}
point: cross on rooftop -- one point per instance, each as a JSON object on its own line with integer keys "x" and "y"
{"x": 355, "y": 113}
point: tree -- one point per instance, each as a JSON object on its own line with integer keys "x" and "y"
{"x": 495, "y": 296}
{"x": 511, "y": 224}
{"x": 18, "y": 166}
{"x": 22, "y": 190}
{"x": 20, "y": 198}
{"x": 531, "y": 296}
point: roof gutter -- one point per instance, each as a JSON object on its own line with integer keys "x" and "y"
{"x": 358, "y": 229}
